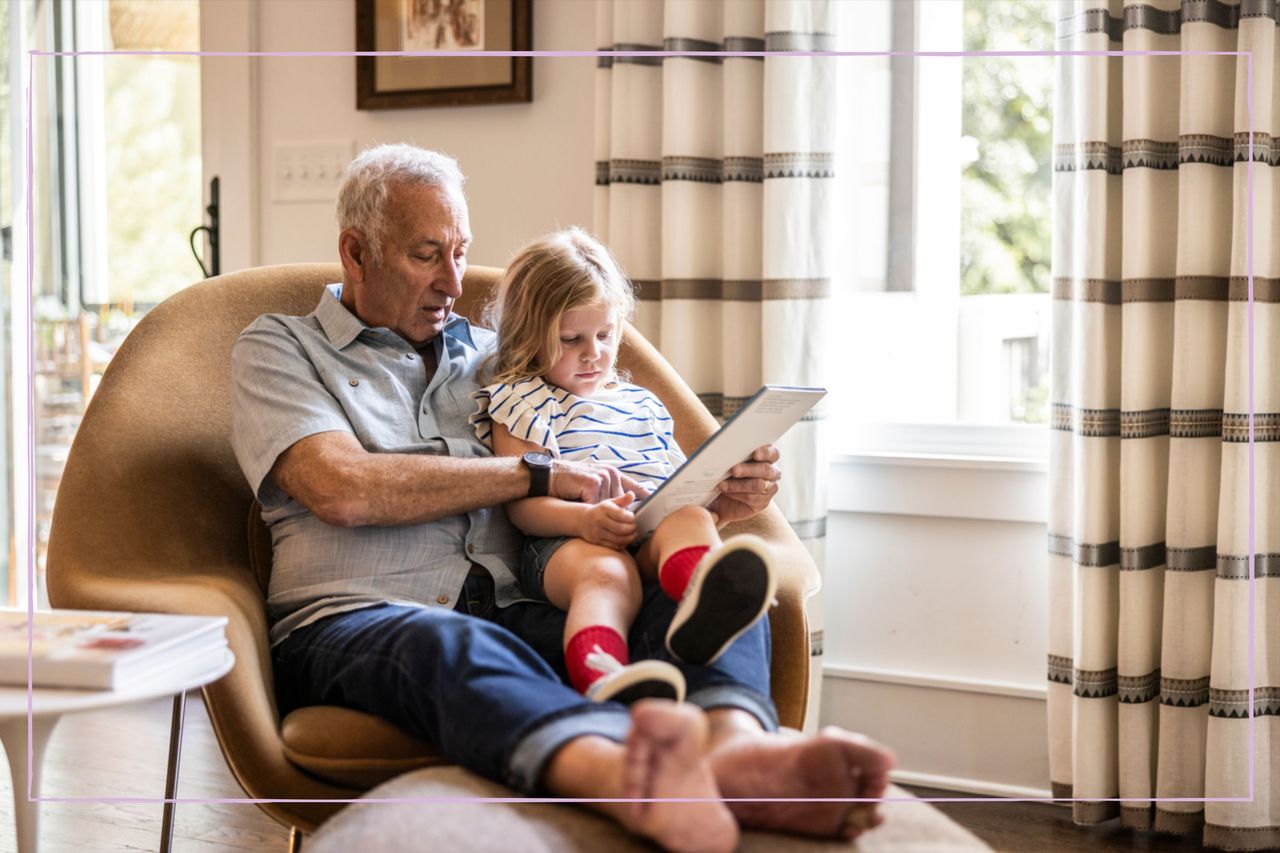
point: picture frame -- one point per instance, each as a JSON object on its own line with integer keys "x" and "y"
{"x": 402, "y": 82}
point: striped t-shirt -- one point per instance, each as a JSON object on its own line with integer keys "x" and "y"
{"x": 623, "y": 425}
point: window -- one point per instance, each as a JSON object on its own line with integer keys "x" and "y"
{"x": 943, "y": 183}
{"x": 117, "y": 193}
{"x": 18, "y": 24}
{"x": 9, "y": 28}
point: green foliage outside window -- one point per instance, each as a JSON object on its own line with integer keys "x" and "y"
{"x": 154, "y": 190}
{"x": 1007, "y": 137}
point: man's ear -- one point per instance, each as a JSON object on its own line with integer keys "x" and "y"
{"x": 353, "y": 251}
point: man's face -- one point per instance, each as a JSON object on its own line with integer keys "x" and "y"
{"x": 412, "y": 287}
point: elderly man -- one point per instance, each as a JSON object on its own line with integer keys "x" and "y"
{"x": 392, "y": 589}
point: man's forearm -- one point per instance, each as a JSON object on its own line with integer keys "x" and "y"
{"x": 411, "y": 489}
{"x": 343, "y": 484}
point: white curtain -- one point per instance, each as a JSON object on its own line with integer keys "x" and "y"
{"x": 1152, "y": 610}
{"x": 713, "y": 180}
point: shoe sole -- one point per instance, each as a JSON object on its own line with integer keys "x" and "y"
{"x": 646, "y": 679}
{"x": 724, "y": 599}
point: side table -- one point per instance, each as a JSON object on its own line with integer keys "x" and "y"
{"x": 47, "y": 707}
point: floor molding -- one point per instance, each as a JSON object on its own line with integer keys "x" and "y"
{"x": 970, "y": 786}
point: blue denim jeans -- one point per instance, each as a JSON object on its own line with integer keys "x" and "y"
{"x": 486, "y": 685}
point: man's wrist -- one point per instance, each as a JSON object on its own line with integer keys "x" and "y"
{"x": 539, "y": 468}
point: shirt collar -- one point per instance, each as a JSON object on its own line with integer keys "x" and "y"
{"x": 342, "y": 327}
{"x": 459, "y": 328}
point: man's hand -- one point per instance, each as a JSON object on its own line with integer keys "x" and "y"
{"x": 591, "y": 482}
{"x": 749, "y": 487}
{"x": 610, "y": 523}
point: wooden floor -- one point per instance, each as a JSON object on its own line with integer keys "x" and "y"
{"x": 1020, "y": 827}
{"x": 121, "y": 752}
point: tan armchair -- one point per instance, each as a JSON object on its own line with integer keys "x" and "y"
{"x": 153, "y": 514}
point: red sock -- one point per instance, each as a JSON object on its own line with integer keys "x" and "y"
{"x": 675, "y": 573}
{"x": 582, "y": 644}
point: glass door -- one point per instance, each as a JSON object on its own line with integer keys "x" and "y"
{"x": 117, "y": 191}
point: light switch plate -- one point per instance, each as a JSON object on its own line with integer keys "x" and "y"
{"x": 310, "y": 171}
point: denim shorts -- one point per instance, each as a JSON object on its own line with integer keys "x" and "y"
{"x": 537, "y": 554}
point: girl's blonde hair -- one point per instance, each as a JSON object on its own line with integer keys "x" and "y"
{"x": 552, "y": 275}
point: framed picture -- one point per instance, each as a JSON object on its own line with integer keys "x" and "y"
{"x": 397, "y": 82}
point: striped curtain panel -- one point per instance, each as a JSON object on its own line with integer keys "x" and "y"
{"x": 713, "y": 183}
{"x": 1154, "y": 622}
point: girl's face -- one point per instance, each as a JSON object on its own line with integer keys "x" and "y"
{"x": 588, "y": 347}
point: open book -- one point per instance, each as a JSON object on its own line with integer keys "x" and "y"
{"x": 99, "y": 649}
{"x": 763, "y": 418}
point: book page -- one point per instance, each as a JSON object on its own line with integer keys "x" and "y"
{"x": 97, "y": 649}
{"x": 54, "y": 633}
{"x": 763, "y": 419}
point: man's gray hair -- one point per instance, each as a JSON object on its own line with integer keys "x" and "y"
{"x": 362, "y": 198}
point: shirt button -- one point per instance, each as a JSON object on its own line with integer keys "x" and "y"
{"x": 425, "y": 411}
{"x": 409, "y": 356}
{"x": 471, "y": 549}
{"x": 353, "y": 382}
{"x": 443, "y": 599}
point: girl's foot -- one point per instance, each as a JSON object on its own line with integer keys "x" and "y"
{"x": 729, "y": 592}
{"x": 628, "y": 683}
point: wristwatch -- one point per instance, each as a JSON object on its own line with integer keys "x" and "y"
{"x": 539, "y": 465}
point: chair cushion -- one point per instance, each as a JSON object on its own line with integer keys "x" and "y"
{"x": 351, "y": 748}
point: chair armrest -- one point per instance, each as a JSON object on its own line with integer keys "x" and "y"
{"x": 798, "y": 579}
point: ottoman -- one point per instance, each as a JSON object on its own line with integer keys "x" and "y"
{"x": 551, "y": 828}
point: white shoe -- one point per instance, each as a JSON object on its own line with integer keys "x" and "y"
{"x": 730, "y": 590}
{"x": 627, "y": 683}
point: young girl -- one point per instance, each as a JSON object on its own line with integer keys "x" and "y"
{"x": 559, "y": 313}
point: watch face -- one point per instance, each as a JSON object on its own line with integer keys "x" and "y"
{"x": 539, "y": 465}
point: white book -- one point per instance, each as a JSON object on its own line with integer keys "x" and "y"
{"x": 106, "y": 650}
{"x": 763, "y": 419}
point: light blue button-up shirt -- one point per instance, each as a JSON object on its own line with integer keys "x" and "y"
{"x": 292, "y": 377}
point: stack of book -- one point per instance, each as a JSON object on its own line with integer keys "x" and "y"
{"x": 102, "y": 650}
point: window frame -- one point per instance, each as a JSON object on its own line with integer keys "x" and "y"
{"x": 916, "y": 26}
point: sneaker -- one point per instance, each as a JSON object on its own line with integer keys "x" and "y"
{"x": 728, "y": 593}
{"x": 627, "y": 683}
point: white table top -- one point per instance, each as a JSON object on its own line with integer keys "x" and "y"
{"x": 57, "y": 700}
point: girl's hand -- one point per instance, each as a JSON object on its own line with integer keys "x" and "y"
{"x": 610, "y": 523}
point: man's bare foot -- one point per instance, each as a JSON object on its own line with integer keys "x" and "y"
{"x": 665, "y": 758}
{"x": 832, "y": 764}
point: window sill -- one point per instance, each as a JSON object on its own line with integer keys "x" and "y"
{"x": 993, "y": 488}
{"x": 944, "y": 460}
{"x": 948, "y": 440}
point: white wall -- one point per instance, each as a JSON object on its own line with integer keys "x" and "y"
{"x": 936, "y": 606}
{"x": 530, "y": 166}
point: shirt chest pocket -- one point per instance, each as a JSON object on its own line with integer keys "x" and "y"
{"x": 380, "y": 410}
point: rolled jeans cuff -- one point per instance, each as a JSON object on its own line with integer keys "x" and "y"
{"x": 535, "y": 749}
{"x": 736, "y": 696}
